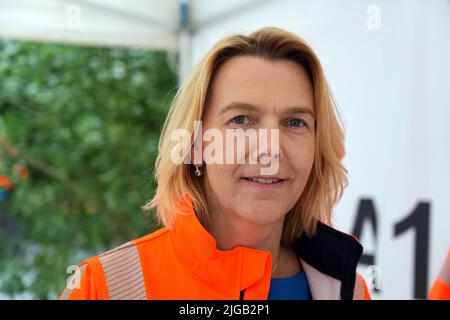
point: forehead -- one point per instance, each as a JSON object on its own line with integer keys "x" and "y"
{"x": 264, "y": 83}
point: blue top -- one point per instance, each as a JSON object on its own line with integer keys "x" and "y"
{"x": 291, "y": 288}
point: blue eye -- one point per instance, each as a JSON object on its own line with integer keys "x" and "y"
{"x": 297, "y": 123}
{"x": 239, "y": 119}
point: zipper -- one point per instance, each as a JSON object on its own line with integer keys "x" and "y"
{"x": 241, "y": 295}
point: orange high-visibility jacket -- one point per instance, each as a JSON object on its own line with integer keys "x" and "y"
{"x": 184, "y": 263}
{"x": 441, "y": 286}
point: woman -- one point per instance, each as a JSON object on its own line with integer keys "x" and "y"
{"x": 230, "y": 230}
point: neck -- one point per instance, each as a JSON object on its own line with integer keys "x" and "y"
{"x": 231, "y": 230}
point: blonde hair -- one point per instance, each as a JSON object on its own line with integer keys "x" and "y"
{"x": 328, "y": 176}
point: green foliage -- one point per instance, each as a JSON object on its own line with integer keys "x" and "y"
{"x": 85, "y": 122}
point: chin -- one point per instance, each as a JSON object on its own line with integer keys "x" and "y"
{"x": 260, "y": 214}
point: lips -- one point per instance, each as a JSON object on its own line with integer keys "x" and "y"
{"x": 266, "y": 184}
{"x": 264, "y": 180}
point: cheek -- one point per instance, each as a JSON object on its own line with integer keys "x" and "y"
{"x": 302, "y": 160}
{"x": 221, "y": 177}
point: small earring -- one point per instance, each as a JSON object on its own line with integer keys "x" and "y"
{"x": 198, "y": 172}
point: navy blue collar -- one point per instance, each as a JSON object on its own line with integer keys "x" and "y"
{"x": 331, "y": 252}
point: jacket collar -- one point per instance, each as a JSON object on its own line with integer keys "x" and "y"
{"x": 329, "y": 260}
{"x": 225, "y": 271}
{"x": 332, "y": 253}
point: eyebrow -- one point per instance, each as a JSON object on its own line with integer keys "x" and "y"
{"x": 251, "y": 107}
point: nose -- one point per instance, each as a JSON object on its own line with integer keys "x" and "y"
{"x": 268, "y": 158}
{"x": 269, "y": 149}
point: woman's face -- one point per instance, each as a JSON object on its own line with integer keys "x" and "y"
{"x": 250, "y": 93}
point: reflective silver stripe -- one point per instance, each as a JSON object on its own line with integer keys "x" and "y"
{"x": 124, "y": 276}
{"x": 67, "y": 292}
{"x": 113, "y": 276}
{"x": 137, "y": 295}
{"x": 128, "y": 293}
{"x": 128, "y": 278}
{"x": 119, "y": 248}
{"x": 125, "y": 287}
{"x": 126, "y": 267}
{"x": 110, "y": 265}
{"x": 444, "y": 275}
{"x": 142, "y": 296}
{"x": 358, "y": 293}
{"x": 117, "y": 255}
{"x": 123, "y": 273}
{"x": 116, "y": 264}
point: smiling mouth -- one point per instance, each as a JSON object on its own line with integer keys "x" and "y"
{"x": 268, "y": 181}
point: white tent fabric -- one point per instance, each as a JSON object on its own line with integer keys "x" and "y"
{"x": 151, "y": 24}
{"x": 387, "y": 63}
{"x": 138, "y": 23}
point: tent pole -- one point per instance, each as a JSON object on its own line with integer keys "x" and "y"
{"x": 185, "y": 40}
